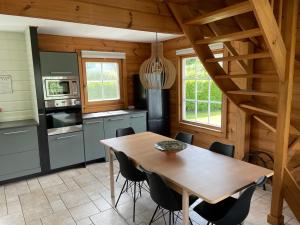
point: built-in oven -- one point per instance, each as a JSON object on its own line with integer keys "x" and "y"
{"x": 61, "y": 87}
{"x": 64, "y": 119}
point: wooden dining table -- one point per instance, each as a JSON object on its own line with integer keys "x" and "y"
{"x": 194, "y": 171}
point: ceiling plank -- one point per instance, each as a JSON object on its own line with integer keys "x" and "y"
{"x": 91, "y": 13}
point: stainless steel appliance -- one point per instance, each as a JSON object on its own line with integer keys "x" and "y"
{"x": 61, "y": 87}
{"x": 63, "y": 119}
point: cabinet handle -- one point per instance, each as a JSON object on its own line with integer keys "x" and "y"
{"x": 66, "y": 137}
{"x": 137, "y": 116}
{"x": 16, "y": 132}
{"x": 115, "y": 119}
{"x": 93, "y": 122}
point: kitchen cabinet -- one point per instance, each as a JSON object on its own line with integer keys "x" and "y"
{"x": 138, "y": 122}
{"x": 59, "y": 64}
{"x": 66, "y": 149}
{"x": 111, "y": 124}
{"x": 19, "y": 154}
{"x": 93, "y": 133}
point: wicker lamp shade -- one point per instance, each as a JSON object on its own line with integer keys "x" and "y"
{"x": 157, "y": 72}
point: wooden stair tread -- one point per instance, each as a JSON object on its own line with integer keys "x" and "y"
{"x": 231, "y": 37}
{"x": 254, "y": 93}
{"x": 220, "y": 14}
{"x": 259, "y": 55}
{"x": 261, "y": 109}
{"x": 248, "y": 76}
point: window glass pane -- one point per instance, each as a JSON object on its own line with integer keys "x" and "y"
{"x": 215, "y": 92}
{"x": 215, "y": 114}
{"x": 202, "y": 99}
{"x": 190, "y": 113}
{"x": 202, "y": 89}
{"x": 102, "y": 81}
{"x": 202, "y": 113}
{"x": 190, "y": 88}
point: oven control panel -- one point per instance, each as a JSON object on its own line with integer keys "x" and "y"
{"x": 62, "y": 103}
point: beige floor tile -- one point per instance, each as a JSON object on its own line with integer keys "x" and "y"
{"x": 14, "y": 207}
{"x": 57, "y": 205}
{"x": 50, "y": 180}
{"x": 16, "y": 219}
{"x": 62, "y": 217}
{"x": 102, "y": 204}
{"x": 108, "y": 217}
{"x": 53, "y": 192}
{"x": 84, "y": 211}
{"x": 74, "y": 198}
{"x": 85, "y": 179}
{"x": 34, "y": 185}
{"x": 85, "y": 221}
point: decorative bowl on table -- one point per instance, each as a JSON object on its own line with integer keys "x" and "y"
{"x": 170, "y": 147}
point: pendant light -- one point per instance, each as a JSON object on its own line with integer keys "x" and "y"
{"x": 157, "y": 72}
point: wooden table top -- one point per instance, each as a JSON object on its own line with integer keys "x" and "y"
{"x": 210, "y": 176}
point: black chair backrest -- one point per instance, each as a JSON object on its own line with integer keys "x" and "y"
{"x": 127, "y": 167}
{"x": 224, "y": 149}
{"x": 184, "y": 137}
{"x": 124, "y": 131}
{"x": 160, "y": 193}
{"x": 240, "y": 210}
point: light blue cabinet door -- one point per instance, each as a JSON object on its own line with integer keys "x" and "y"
{"x": 138, "y": 122}
{"x": 111, "y": 124}
{"x": 93, "y": 133}
{"x": 16, "y": 140}
{"x": 59, "y": 63}
{"x": 66, "y": 149}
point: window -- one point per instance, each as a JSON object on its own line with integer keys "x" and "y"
{"x": 102, "y": 88}
{"x": 201, "y": 97}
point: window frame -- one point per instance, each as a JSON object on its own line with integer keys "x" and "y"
{"x": 197, "y": 126}
{"x": 103, "y": 105}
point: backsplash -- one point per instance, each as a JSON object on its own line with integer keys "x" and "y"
{"x": 14, "y": 61}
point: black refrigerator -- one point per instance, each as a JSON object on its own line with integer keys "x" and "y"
{"x": 156, "y": 102}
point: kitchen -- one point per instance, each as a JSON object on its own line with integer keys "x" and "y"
{"x": 54, "y": 128}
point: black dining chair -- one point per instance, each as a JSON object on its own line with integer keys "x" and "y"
{"x": 134, "y": 178}
{"x": 231, "y": 210}
{"x": 224, "y": 149}
{"x": 184, "y": 137}
{"x": 123, "y": 132}
{"x": 166, "y": 199}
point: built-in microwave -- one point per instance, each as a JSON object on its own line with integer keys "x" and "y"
{"x": 60, "y": 87}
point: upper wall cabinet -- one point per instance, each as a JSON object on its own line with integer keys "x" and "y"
{"x": 59, "y": 63}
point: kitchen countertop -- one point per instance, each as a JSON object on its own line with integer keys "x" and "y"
{"x": 18, "y": 123}
{"x": 111, "y": 113}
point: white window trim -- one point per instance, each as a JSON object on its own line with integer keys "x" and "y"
{"x": 102, "y": 55}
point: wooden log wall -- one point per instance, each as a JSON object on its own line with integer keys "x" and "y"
{"x": 136, "y": 53}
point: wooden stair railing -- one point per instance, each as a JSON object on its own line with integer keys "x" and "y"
{"x": 280, "y": 49}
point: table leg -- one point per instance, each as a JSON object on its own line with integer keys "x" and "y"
{"x": 111, "y": 174}
{"x": 185, "y": 207}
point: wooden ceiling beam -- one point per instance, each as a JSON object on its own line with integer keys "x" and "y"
{"x": 88, "y": 12}
{"x": 220, "y": 14}
{"x": 231, "y": 37}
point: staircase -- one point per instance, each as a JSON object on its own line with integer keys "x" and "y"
{"x": 201, "y": 25}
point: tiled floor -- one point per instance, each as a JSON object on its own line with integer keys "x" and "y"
{"x": 81, "y": 196}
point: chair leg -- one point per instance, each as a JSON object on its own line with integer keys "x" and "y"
{"x": 118, "y": 176}
{"x": 122, "y": 191}
{"x": 134, "y": 200}
{"x": 154, "y": 214}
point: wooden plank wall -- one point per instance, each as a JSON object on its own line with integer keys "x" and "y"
{"x": 136, "y": 53}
